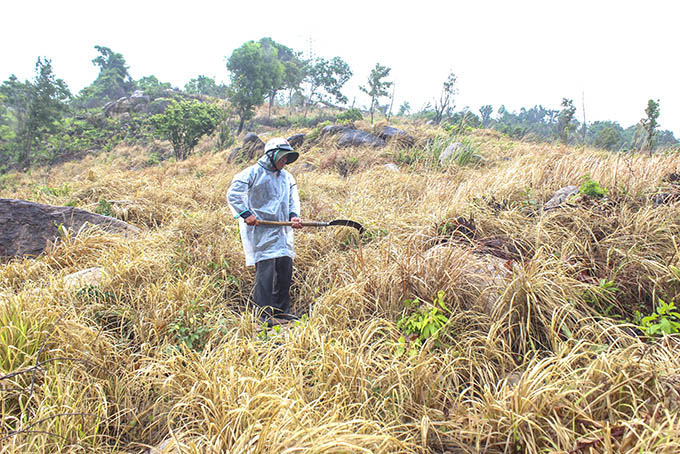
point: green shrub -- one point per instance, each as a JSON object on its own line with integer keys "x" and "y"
{"x": 351, "y": 115}
{"x": 423, "y": 324}
{"x": 666, "y": 320}
{"x": 592, "y": 188}
{"x": 104, "y": 208}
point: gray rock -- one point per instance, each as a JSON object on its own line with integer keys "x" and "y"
{"x": 159, "y": 105}
{"x": 84, "y": 278}
{"x": 664, "y": 198}
{"x": 252, "y": 146}
{"x": 397, "y": 136}
{"x": 137, "y": 102}
{"x": 560, "y": 197}
{"x": 449, "y": 152}
{"x": 391, "y": 166}
{"x": 332, "y": 130}
{"x": 27, "y": 227}
{"x": 356, "y": 138}
{"x": 296, "y": 140}
{"x": 302, "y": 167}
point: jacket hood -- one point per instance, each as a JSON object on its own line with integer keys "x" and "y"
{"x": 266, "y": 162}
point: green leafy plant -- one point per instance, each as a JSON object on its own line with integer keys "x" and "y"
{"x": 189, "y": 327}
{"x": 425, "y": 323}
{"x": 666, "y": 320}
{"x": 104, "y": 208}
{"x": 59, "y": 191}
{"x": 592, "y": 188}
{"x": 603, "y": 297}
{"x": 184, "y": 123}
{"x": 350, "y": 115}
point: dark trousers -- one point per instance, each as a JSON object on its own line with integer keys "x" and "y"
{"x": 272, "y": 284}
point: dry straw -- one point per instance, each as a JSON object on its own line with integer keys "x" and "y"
{"x": 163, "y": 354}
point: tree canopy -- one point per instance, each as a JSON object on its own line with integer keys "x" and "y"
{"x": 112, "y": 82}
{"x": 377, "y": 86}
{"x": 184, "y": 123}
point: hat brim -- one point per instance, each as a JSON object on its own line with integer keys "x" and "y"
{"x": 290, "y": 155}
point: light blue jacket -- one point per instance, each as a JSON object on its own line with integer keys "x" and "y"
{"x": 270, "y": 195}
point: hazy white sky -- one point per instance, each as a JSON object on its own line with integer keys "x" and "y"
{"x": 614, "y": 54}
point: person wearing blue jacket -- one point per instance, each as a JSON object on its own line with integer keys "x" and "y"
{"x": 265, "y": 191}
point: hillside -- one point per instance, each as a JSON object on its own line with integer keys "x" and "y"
{"x": 538, "y": 348}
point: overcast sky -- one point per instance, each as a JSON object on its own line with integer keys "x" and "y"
{"x": 614, "y": 55}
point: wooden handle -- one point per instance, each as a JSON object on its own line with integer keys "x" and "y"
{"x": 304, "y": 224}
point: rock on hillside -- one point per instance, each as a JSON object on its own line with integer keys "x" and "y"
{"x": 396, "y": 135}
{"x": 27, "y": 227}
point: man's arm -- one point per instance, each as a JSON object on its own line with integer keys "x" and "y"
{"x": 237, "y": 198}
{"x": 294, "y": 204}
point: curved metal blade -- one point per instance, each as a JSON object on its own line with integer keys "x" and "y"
{"x": 347, "y": 223}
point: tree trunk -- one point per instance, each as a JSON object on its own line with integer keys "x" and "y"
{"x": 25, "y": 158}
{"x": 240, "y": 125}
{"x": 271, "y": 101}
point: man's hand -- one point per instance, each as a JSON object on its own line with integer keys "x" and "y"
{"x": 251, "y": 220}
{"x": 297, "y": 223}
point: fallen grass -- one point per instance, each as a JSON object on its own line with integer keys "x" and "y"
{"x": 535, "y": 357}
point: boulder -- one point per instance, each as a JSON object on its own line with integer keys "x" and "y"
{"x": 481, "y": 278}
{"x": 449, "y": 152}
{"x": 392, "y": 167}
{"x": 664, "y": 198}
{"x": 296, "y": 140}
{"x": 332, "y": 130}
{"x": 137, "y": 102}
{"x": 302, "y": 167}
{"x": 560, "y": 197}
{"x": 84, "y": 278}
{"x": 159, "y": 105}
{"x": 252, "y": 146}
{"x": 356, "y": 138}
{"x": 397, "y": 136}
{"x": 27, "y": 227}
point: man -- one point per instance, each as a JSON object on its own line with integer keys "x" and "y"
{"x": 265, "y": 191}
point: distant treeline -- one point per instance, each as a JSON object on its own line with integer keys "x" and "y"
{"x": 42, "y": 122}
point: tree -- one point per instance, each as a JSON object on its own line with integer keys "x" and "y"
{"x": 151, "y": 86}
{"x": 36, "y": 106}
{"x": 325, "y": 79}
{"x": 608, "y": 138}
{"x": 404, "y": 109}
{"x": 565, "y": 120}
{"x": 112, "y": 82}
{"x": 184, "y": 123}
{"x": 377, "y": 87}
{"x": 486, "y": 112}
{"x": 251, "y": 79}
{"x": 287, "y": 69}
{"x": 445, "y": 105}
{"x": 649, "y": 124}
{"x": 205, "y": 86}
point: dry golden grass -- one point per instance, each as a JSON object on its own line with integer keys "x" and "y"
{"x": 526, "y": 363}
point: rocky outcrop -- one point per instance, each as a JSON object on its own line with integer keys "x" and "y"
{"x": 332, "y": 130}
{"x": 85, "y": 278}
{"x": 27, "y": 227}
{"x": 396, "y": 136}
{"x": 357, "y": 138}
{"x": 252, "y": 146}
{"x": 296, "y": 140}
{"x": 449, "y": 152}
{"x": 136, "y": 102}
{"x": 560, "y": 197}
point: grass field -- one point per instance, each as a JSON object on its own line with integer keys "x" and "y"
{"x": 531, "y": 345}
